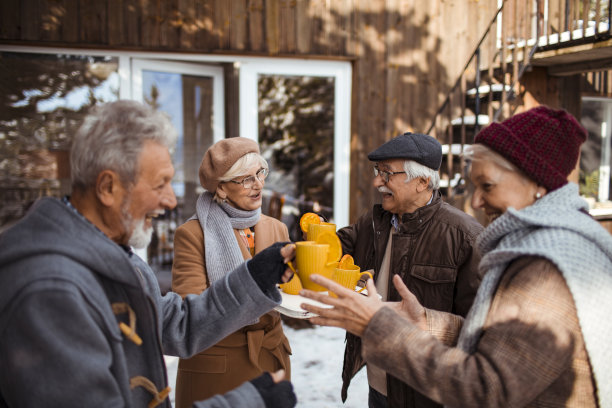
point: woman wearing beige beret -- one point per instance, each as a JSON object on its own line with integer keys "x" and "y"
{"x": 227, "y": 229}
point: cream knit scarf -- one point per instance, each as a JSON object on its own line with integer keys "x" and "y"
{"x": 554, "y": 227}
{"x": 221, "y": 250}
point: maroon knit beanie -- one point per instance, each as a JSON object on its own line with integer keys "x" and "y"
{"x": 542, "y": 142}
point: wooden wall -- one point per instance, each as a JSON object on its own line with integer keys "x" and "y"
{"x": 406, "y": 54}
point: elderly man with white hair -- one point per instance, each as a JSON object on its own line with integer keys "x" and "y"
{"x": 82, "y": 318}
{"x": 416, "y": 235}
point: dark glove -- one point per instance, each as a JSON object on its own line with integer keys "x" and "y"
{"x": 275, "y": 395}
{"x": 267, "y": 267}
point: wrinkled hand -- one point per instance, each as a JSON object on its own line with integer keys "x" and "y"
{"x": 351, "y": 311}
{"x": 409, "y": 307}
{"x": 275, "y": 392}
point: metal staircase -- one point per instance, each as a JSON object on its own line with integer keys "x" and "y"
{"x": 487, "y": 87}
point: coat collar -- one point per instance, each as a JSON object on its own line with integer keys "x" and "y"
{"x": 69, "y": 233}
{"x": 413, "y": 222}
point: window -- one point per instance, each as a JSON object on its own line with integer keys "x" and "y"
{"x": 44, "y": 97}
{"x": 47, "y": 91}
{"x": 595, "y": 158}
{"x": 330, "y": 83}
{"x": 192, "y": 95}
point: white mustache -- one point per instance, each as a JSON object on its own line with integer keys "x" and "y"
{"x": 384, "y": 189}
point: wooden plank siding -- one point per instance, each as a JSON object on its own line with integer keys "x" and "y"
{"x": 406, "y": 54}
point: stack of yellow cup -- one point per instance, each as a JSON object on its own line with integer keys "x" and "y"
{"x": 311, "y": 257}
{"x": 319, "y": 254}
{"x": 348, "y": 274}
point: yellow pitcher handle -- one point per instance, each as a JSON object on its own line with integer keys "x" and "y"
{"x": 363, "y": 273}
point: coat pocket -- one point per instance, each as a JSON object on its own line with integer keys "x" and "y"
{"x": 434, "y": 274}
{"x": 433, "y": 286}
{"x": 205, "y": 363}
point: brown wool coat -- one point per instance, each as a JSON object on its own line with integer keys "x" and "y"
{"x": 531, "y": 353}
{"x": 242, "y": 355}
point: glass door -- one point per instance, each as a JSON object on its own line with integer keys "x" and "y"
{"x": 299, "y": 112}
{"x": 192, "y": 95}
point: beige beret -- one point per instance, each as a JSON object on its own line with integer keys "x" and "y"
{"x": 220, "y": 157}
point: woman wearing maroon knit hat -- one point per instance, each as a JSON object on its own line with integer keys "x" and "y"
{"x": 539, "y": 332}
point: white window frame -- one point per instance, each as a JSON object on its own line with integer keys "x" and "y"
{"x": 606, "y": 149}
{"x": 250, "y": 68}
{"x": 216, "y": 72}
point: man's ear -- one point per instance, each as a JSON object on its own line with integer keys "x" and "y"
{"x": 422, "y": 184}
{"x": 107, "y": 187}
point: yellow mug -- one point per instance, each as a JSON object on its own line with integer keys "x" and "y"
{"x": 292, "y": 287}
{"x": 310, "y": 258}
{"x": 349, "y": 277}
{"x": 315, "y": 229}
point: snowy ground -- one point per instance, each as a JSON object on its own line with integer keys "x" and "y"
{"x": 316, "y": 365}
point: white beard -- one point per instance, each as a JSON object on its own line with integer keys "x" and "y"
{"x": 141, "y": 236}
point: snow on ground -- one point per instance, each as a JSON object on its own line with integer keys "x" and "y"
{"x": 316, "y": 366}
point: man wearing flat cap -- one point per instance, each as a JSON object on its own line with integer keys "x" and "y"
{"x": 416, "y": 235}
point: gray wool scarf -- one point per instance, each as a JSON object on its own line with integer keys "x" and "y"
{"x": 221, "y": 250}
{"x": 556, "y": 228}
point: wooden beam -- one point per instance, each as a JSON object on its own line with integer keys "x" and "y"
{"x": 564, "y": 55}
{"x": 580, "y": 67}
{"x": 272, "y": 27}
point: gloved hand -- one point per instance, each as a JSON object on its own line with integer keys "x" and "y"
{"x": 268, "y": 267}
{"x": 275, "y": 395}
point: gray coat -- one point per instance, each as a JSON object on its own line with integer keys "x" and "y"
{"x": 60, "y": 342}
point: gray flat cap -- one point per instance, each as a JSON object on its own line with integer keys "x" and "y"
{"x": 423, "y": 149}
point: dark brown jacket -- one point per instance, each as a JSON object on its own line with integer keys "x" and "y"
{"x": 434, "y": 253}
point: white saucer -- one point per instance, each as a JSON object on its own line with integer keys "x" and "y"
{"x": 290, "y": 305}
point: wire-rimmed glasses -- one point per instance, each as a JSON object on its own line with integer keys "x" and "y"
{"x": 249, "y": 182}
{"x": 386, "y": 174}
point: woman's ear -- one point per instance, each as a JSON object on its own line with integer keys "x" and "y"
{"x": 221, "y": 193}
{"x": 540, "y": 192}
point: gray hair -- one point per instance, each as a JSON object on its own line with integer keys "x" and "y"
{"x": 241, "y": 166}
{"x": 112, "y": 137}
{"x": 480, "y": 152}
{"x": 415, "y": 170}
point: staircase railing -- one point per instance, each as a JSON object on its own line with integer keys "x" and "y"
{"x": 488, "y": 83}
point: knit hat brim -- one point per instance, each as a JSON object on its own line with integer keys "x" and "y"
{"x": 519, "y": 154}
{"x": 544, "y": 143}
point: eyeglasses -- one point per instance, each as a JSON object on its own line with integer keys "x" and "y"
{"x": 386, "y": 174}
{"x": 249, "y": 182}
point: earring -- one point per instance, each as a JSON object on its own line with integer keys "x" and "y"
{"x": 538, "y": 195}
